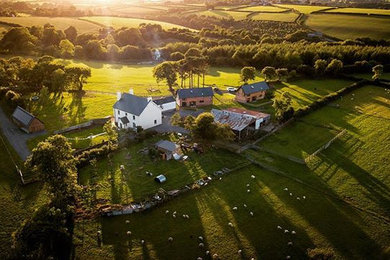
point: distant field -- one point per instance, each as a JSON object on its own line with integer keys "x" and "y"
{"x": 262, "y": 9}
{"x": 360, "y": 11}
{"x": 305, "y": 9}
{"x": 137, "y": 10}
{"x": 350, "y": 27}
{"x": 281, "y": 17}
{"x": 225, "y": 14}
{"x": 61, "y": 23}
{"x": 118, "y": 22}
{"x": 4, "y": 28}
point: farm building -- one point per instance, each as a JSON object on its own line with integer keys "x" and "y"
{"x": 131, "y": 111}
{"x": 167, "y": 149}
{"x": 166, "y": 103}
{"x": 26, "y": 121}
{"x": 251, "y": 92}
{"x": 193, "y": 97}
{"x": 243, "y": 122}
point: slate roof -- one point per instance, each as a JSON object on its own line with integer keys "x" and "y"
{"x": 164, "y": 100}
{"x": 195, "y": 92}
{"x": 22, "y": 116}
{"x": 167, "y": 145}
{"x": 131, "y": 104}
{"x": 254, "y": 87}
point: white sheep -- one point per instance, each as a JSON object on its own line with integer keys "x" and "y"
{"x": 173, "y": 216}
{"x": 174, "y": 213}
{"x": 304, "y": 197}
{"x": 207, "y": 252}
{"x": 279, "y": 227}
{"x": 293, "y": 232}
{"x": 99, "y": 232}
{"x": 128, "y": 233}
{"x": 286, "y": 231}
{"x": 253, "y": 176}
{"x": 291, "y": 194}
{"x": 200, "y": 238}
{"x": 288, "y": 257}
{"x": 142, "y": 241}
{"x": 248, "y": 191}
{"x": 298, "y": 198}
{"x": 230, "y": 224}
{"x": 184, "y": 216}
{"x": 201, "y": 245}
{"x": 235, "y": 208}
{"x": 251, "y": 213}
{"x": 286, "y": 189}
{"x": 199, "y": 258}
{"x": 244, "y": 205}
{"x": 239, "y": 251}
{"x": 170, "y": 239}
{"x": 290, "y": 243}
{"x": 215, "y": 256}
{"x": 247, "y": 185}
{"x": 127, "y": 221}
{"x": 166, "y": 212}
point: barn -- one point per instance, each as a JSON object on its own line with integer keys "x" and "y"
{"x": 26, "y": 121}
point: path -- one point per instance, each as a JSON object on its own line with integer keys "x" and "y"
{"x": 16, "y": 137}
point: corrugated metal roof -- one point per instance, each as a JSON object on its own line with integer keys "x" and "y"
{"x": 254, "y": 87}
{"x": 236, "y": 121}
{"x": 22, "y": 116}
{"x": 195, "y": 92}
{"x": 132, "y": 104}
{"x": 256, "y": 114}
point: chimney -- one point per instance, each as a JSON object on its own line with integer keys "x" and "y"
{"x": 118, "y": 96}
{"x": 149, "y": 99}
{"x": 131, "y": 91}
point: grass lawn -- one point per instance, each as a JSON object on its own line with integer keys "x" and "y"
{"x": 369, "y": 76}
{"x": 350, "y": 27}
{"x": 305, "y": 9}
{"x": 265, "y": 9}
{"x": 16, "y": 202}
{"x": 360, "y": 11}
{"x": 280, "y": 17}
{"x": 356, "y": 165}
{"x": 137, "y": 185}
{"x": 61, "y": 23}
{"x": 119, "y": 22}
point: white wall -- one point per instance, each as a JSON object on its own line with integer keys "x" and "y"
{"x": 122, "y": 114}
{"x": 151, "y": 113}
{"x": 168, "y": 106}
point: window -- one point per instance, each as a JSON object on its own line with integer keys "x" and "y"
{"x": 201, "y": 101}
{"x": 119, "y": 112}
{"x": 125, "y": 114}
{"x": 155, "y": 122}
{"x": 133, "y": 117}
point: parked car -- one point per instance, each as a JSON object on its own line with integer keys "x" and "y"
{"x": 231, "y": 89}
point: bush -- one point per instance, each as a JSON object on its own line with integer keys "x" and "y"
{"x": 142, "y": 136}
{"x": 86, "y": 156}
{"x": 13, "y": 99}
{"x": 320, "y": 254}
{"x": 3, "y": 91}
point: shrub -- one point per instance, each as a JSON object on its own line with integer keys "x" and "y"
{"x": 13, "y": 99}
{"x": 86, "y": 156}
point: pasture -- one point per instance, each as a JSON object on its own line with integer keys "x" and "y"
{"x": 367, "y": 11}
{"x": 265, "y": 9}
{"x": 224, "y": 14}
{"x": 353, "y": 169}
{"x": 279, "y": 17}
{"x": 60, "y": 23}
{"x": 350, "y": 27}
{"x": 119, "y": 22}
{"x": 304, "y": 9}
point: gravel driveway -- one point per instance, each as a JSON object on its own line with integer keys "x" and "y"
{"x": 16, "y": 137}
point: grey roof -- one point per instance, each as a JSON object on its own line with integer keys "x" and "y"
{"x": 132, "y": 104}
{"x": 195, "y": 92}
{"x": 254, "y": 87}
{"x": 236, "y": 121}
{"x": 124, "y": 120}
{"x": 164, "y": 100}
{"x": 23, "y": 116}
{"x": 167, "y": 145}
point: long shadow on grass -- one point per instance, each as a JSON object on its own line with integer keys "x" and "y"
{"x": 77, "y": 109}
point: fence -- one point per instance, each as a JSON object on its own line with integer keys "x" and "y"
{"x": 93, "y": 122}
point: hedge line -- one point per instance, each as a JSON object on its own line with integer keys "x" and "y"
{"x": 84, "y": 158}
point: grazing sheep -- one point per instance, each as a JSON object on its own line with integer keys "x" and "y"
{"x": 170, "y": 239}
{"x": 235, "y": 208}
{"x": 127, "y": 221}
{"x": 142, "y": 241}
{"x": 166, "y": 212}
{"x": 174, "y": 213}
{"x": 239, "y": 251}
{"x": 288, "y": 257}
{"x": 253, "y": 176}
{"x": 173, "y": 216}
{"x": 244, "y": 205}
{"x": 200, "y": 238}
{"x": 199, "y": 258}
{"x": 247, "y": 185}
{"x": 207, "y": 252}
{"x": 184, "y": 216}
{"x": 99, "y": 232}
{"x": 248, "y": 191}
{"x": 290, "y": 243}
{"x": 251, "y": 213}
{"x": 291, "y": 194}
{"x": 304, "y": 197}
{"x": 286, "y": 189}
{"x": 201, "y": 245}
{"x": 230, "y": 224}
{"x": 293, "y": 232}
{"x": 298, "y": 198}
{"x": 286, "y": 231}
{"x": 215, "y": 256}
{"x": 279, "y": 227}
{"x": 128, "y": 233}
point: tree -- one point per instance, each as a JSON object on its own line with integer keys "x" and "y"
{"x": 269, "y": 73}
{"x": 320, "y": 66}
{"x": 52, "y": 160}
{"x": 166, "y": 71}
{"x": 378, "y": 70}
{"x": 283, "y": 108}
{"x": 247, "y": 73}
{"x": 176, "y": 119}
{"x": 111, "y": 132}
{"x": 282, "y": 74}
{"x": 71, "y": 33}
{"x": 204, "y": 128}
{"x": 18, "y": 39}
{"x": 58, "y": 81}
{"x": 67, "y": 49}
{"x": 334, "y": 67}
{"x": 78, "y": 75}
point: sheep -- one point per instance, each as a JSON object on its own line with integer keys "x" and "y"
{"x": 239, "y": 251}
{"x": 251, "y": 213}
{"x": 200, "y": 238}
{"x": 253, "y": 176}
{"x": 174, "y": 213}
{"x": 199, "y": 258}
{"x": 247, "y": 185}
{"x": 173, "y": 216}
{"x": 248, "y": 191}
{"x": 286, "y": 189}
{"x": 235, "y": 208}
{"x": 201, "y": 245}
{"x": 127, "y": 221}
{"x": 230, "y": 224}
{"x": 170, "y": 239}
{"x": 166, "y": 212}
{"x": 99, "y": 232}
{"x": 290, "y": 243}
{"x": 286, "y": 231}
{"x": 304, "y": 197}
{"x": 142, "y": 241}
{"x": 279, "y": 227}
{"x": 288, "y": 257}
{"x": 293, "y": 232}
{"x": 298, "y": 198}
{"x": 128, "y": 233}
{"x": 184, "y": 216}
{"x": 207, "y": 252}
{"x": 291, "y": 194}
{"x": 215, "y": 256}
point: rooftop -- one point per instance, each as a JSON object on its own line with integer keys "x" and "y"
{"x": 167, "y": 145}
{"x": 24, "y": 117}
{"x": 255, "y": 114}
{"x": 254, "y": 87}
{"x": 132, "y": 104}
{"x": 195, "y": 92}
{"x": 236, "y": 121}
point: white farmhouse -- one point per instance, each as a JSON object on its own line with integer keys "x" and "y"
{"x": 131, "y": 111}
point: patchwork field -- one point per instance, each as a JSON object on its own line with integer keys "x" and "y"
{"x": 119, "y": 22}
{"x": 353, "y": 169}
{"x": 305, "y": 9}
{"x": 367, "y": 11}
{"x": 281, "y": 17}
{"x": 225, "y": 14}
{"x": 347, "y": 27}
{"x": 61, "y": 23}
{"x": 266, "y": 9}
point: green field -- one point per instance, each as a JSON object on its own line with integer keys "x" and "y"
{"x": 350, "y": 27}
{"x": 369, "y": 76}
{"x": 119, "y": 22}
{"x": 305, "y": 9}
{"x": 224, "y": 14}
{"x": 353, "y": 169}
{"x": 60, "y": 23}
{"x": 367, "y": 11}
{"x": 266, "y": 9}
{"x": 280, "y": 17}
